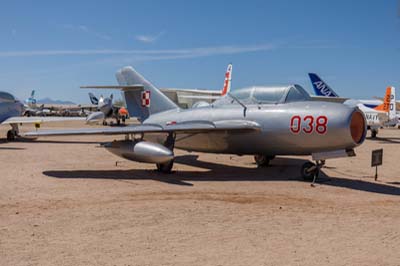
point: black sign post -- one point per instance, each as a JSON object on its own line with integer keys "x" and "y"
{"x": 376, "y": 159}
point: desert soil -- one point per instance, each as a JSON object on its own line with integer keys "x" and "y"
{"x": 64, "y": 201}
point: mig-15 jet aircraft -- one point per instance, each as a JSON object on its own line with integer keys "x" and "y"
{"x": 260, "y": 121}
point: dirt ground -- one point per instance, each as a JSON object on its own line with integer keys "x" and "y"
{"x": 63, "y": 201}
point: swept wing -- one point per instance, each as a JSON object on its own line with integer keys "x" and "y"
{"x": 199, "y": 126}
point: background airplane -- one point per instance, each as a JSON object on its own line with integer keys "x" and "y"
{"x": 262, "y": 121}
{"x": 106, "y": 109}
{"x": 11, "y": 111}
{"x": 193, "y": 98}
{"x": 32, "y": 109}
{"x": 377, "y": 113}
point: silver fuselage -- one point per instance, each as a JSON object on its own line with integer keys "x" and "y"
{"x": 275, "y": 136}
{"x": 9, "y": 109}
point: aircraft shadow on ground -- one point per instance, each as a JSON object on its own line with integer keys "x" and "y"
{"x": 282, "y": 169}
{"x": 393, "y": 140}
{"x": 12, "y": 148}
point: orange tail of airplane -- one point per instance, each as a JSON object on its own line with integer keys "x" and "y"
{"x": 385, "y": 106}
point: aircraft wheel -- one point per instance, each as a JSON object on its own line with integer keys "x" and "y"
{"x": 11, "y": 136}
{"x": 118, "y": 122}
{"x": 165, "y": 167}
{"x": 104, "y": 123}
{"x": 308, "y": 170}
{"x": 263, "y": 160}
{"x": 373, "y": 133}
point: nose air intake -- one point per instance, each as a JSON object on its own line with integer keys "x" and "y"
{"x": 358, "y": 127}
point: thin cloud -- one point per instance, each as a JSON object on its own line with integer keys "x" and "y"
{"x": 149, "y": 38}
{"x": 87, "y": 30}
{"x": 148, "y": 55}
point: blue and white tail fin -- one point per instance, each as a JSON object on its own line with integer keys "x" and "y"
{"x": 145, "y": 101}
{"x": 320, "y": 87}
{"x": 93, "y": 99}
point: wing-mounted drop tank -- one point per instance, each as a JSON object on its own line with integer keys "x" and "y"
{"x": 140, "y": 151}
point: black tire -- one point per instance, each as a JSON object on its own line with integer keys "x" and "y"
{"x": 11, "y": 136}
{"x": 104, "y": 123}
{"x": 263, "y": 160}
{"x": 373, "y": 133}
{"x": 305, "y": 173}
{"x": 165, "y": 168}
{"x": 118, "y": 122}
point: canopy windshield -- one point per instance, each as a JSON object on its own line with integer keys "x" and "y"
{"x": 266, "y": 95}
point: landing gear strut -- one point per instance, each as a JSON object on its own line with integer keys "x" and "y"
{"x": 263, "y": 160}
{"x": 374, "y": 133}
{"x": 310, "y": 171}
{"x": 11, "y": 135}
{"x": 169, "y": 143}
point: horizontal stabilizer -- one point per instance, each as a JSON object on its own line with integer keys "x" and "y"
{"x": 113, "y": 87}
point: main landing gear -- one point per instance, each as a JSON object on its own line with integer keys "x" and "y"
{"x": 263, "y": 160}
{"x": 374, "y": 133}
{"x": 310, "y": 171}
{"x": 166, "y": 168}
{"x": 11, "y": 135}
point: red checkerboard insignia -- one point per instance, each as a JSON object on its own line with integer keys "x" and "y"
{"x": 145, "y": 98}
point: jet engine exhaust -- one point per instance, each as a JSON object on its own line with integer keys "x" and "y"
{"x": 358, "y": 128}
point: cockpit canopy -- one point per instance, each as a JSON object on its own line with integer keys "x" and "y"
{"x": 6, "y": 97}
{"x": 267, "y": 95}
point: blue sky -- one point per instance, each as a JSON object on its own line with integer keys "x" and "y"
{"x": 54, "y": 47}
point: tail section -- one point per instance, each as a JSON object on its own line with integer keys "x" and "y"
{"x": 33, "y": 93}
{"x": 389, "y": 103}
{"x": 320, "y": 87}
{"x": 143, "y": 102}
{"x": 392, "y": 106}
{"x": 227, "y": 82}
{"x": 93, "y": 99}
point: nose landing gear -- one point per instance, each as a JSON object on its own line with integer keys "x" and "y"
{"x": 310, "y": 171}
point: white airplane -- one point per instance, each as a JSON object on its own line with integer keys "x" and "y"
{"x": 377, "y": 113}
{"x": 32, "y": 109}
{"x": 106, "y": 109}
{"x": 193, "y": 98}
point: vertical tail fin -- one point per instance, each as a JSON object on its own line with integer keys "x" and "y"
{"x": 33, "y": 93}
{"x": 93, "y": 99}
{"x": 227, "y": 82}
{"x": 385, "y": 106}
{"x": 392, "y": 106}
{"x": 389, "y": 103}
{"x": 320, "y": 87}
{"x": 145, "y": 102}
